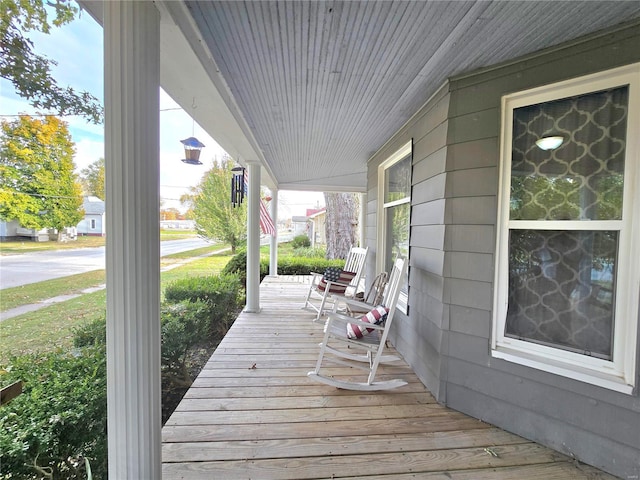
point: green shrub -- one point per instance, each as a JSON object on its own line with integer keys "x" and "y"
{"x": 60, "y": 418}
{"x": 304, "y": 266}
{"x": 184, "y": 325}
{"x": 222, "y": 293}
{"x": 300, "y": 241}
{"x": 238, "y": 266}
{"x": 93, "y": 333}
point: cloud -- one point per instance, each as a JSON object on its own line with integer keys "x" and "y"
{"x": 87, "y": 152}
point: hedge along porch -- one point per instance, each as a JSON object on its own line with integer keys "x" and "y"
{"x": 454, "y": 336}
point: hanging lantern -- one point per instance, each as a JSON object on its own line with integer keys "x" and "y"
{"x": 237, "y": 186}
{"x": 192, "y": 148}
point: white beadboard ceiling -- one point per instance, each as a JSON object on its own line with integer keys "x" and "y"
{"x": 323, "y": 85}
{"x": 311, "y": 89}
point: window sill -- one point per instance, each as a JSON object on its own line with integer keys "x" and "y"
{"x": 608, "y": 381}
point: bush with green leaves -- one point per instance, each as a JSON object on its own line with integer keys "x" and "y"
{"x": 222, "y": 293}
{"x": 304, "y": 266}
{"x": 60, "y": 420}
{"x": 184, "y": 325}
{"x": 301, "y": 241}
{"x": 93, "y": 333}
{"x": 238, "y": 266}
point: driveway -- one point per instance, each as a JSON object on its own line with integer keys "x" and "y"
{"x": 16, "y": 270}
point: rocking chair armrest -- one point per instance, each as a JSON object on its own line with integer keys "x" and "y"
{"x": 335, "y": 282}
{"x": 345, "y": 319}
{"x": 352, "y": 302}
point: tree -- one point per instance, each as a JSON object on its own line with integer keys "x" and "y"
{"x": 213, "y": 213}
{"x": 29, "y": 72}
{"x": 37, "y": 184}
{"x": 92, "y": 179}
{"x": 341, "y": 225}
{"x": 170, "y": 213}
{"x": 186, "y": 200}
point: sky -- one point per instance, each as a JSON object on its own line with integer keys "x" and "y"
{"x": 78, "y": 50}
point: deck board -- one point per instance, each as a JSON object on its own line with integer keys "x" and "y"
{"x": 253, "y": 413}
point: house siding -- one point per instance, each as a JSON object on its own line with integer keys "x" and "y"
{"x": 446, "y": 337}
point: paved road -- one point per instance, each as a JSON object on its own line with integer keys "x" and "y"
{"x": 16, "y": 270}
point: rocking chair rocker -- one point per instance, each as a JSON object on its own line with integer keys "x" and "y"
{"x": 359, "y": 342}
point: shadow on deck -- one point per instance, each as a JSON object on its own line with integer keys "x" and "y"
{"x": 252, "y": 413}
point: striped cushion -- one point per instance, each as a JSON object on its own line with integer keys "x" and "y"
{"x": 376, "y": 316}
{"x": 342, "y": 277}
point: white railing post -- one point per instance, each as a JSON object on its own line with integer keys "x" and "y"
{"x": 253, "y": 239}
{"x": 273, "y": 250}
{"x": 132, "y": 79}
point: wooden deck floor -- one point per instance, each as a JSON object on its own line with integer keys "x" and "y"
{"x": 253, "y": 414}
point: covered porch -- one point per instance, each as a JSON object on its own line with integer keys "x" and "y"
{"x": 253, "y": 413}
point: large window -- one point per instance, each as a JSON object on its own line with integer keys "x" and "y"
{"x": 394, "y": 192}
{"x": 568, "y": 256}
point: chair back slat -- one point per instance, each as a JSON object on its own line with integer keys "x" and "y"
{"x": 355, "y": 263}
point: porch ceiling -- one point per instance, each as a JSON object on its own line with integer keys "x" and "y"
{"x": 322, "y": 85}
{"x": 311, "y": 89}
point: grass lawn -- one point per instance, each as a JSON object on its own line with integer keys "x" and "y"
{"x": 52, "y": 327}
{"x": 36, "y": 292}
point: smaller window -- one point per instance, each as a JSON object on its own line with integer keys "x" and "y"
{"x": 93, "y": 224}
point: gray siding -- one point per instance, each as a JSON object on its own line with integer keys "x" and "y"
{"x": 446, "y": 337}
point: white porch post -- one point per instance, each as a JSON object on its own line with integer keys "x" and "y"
{"x": 132, "y": 76}
{"x": 362, "y": 220}
{"x": 273, "y": 250}
{"x": 253, "y": 239}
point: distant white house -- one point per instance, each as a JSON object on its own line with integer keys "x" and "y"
{"x": 93, "y": 222}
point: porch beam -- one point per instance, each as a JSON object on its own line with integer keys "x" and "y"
{"x": 253, "y": 238}
{"x": 132, "y": 80}
{"x": 273, "y": 249}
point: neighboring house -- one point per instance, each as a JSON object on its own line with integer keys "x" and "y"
{"x": 93, "y": 223}
{"x": 523, "y": 290}
{"x": 13, "y": 231}
{"x": 300, "y": 225}
{"x": 9, "y": 230}
{"x": 316, "y": 219}
{"x": 178, "y": 224}
{"x": 312, "y": 225}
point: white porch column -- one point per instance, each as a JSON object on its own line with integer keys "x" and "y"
{"x": 132, "y": 76}
{"x": 362, "y": 218}
{"x": 273, "y": 250}
{"x": 253, "y": 239}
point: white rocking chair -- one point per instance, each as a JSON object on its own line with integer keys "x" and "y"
{"x": 364, "y": 353}
{"x": 321, "y": 289}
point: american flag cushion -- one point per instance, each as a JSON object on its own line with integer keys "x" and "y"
{"x": 376, "y": 316}
{"x": 334, "y": 274}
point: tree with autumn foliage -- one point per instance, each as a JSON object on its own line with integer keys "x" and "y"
{"x": 38, "y": 186}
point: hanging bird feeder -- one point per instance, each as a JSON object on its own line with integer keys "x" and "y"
{"x": 192, "y": 148}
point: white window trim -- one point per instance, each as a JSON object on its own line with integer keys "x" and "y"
{"x": 402, "y": 152}
{"x": 619, "y": 374}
